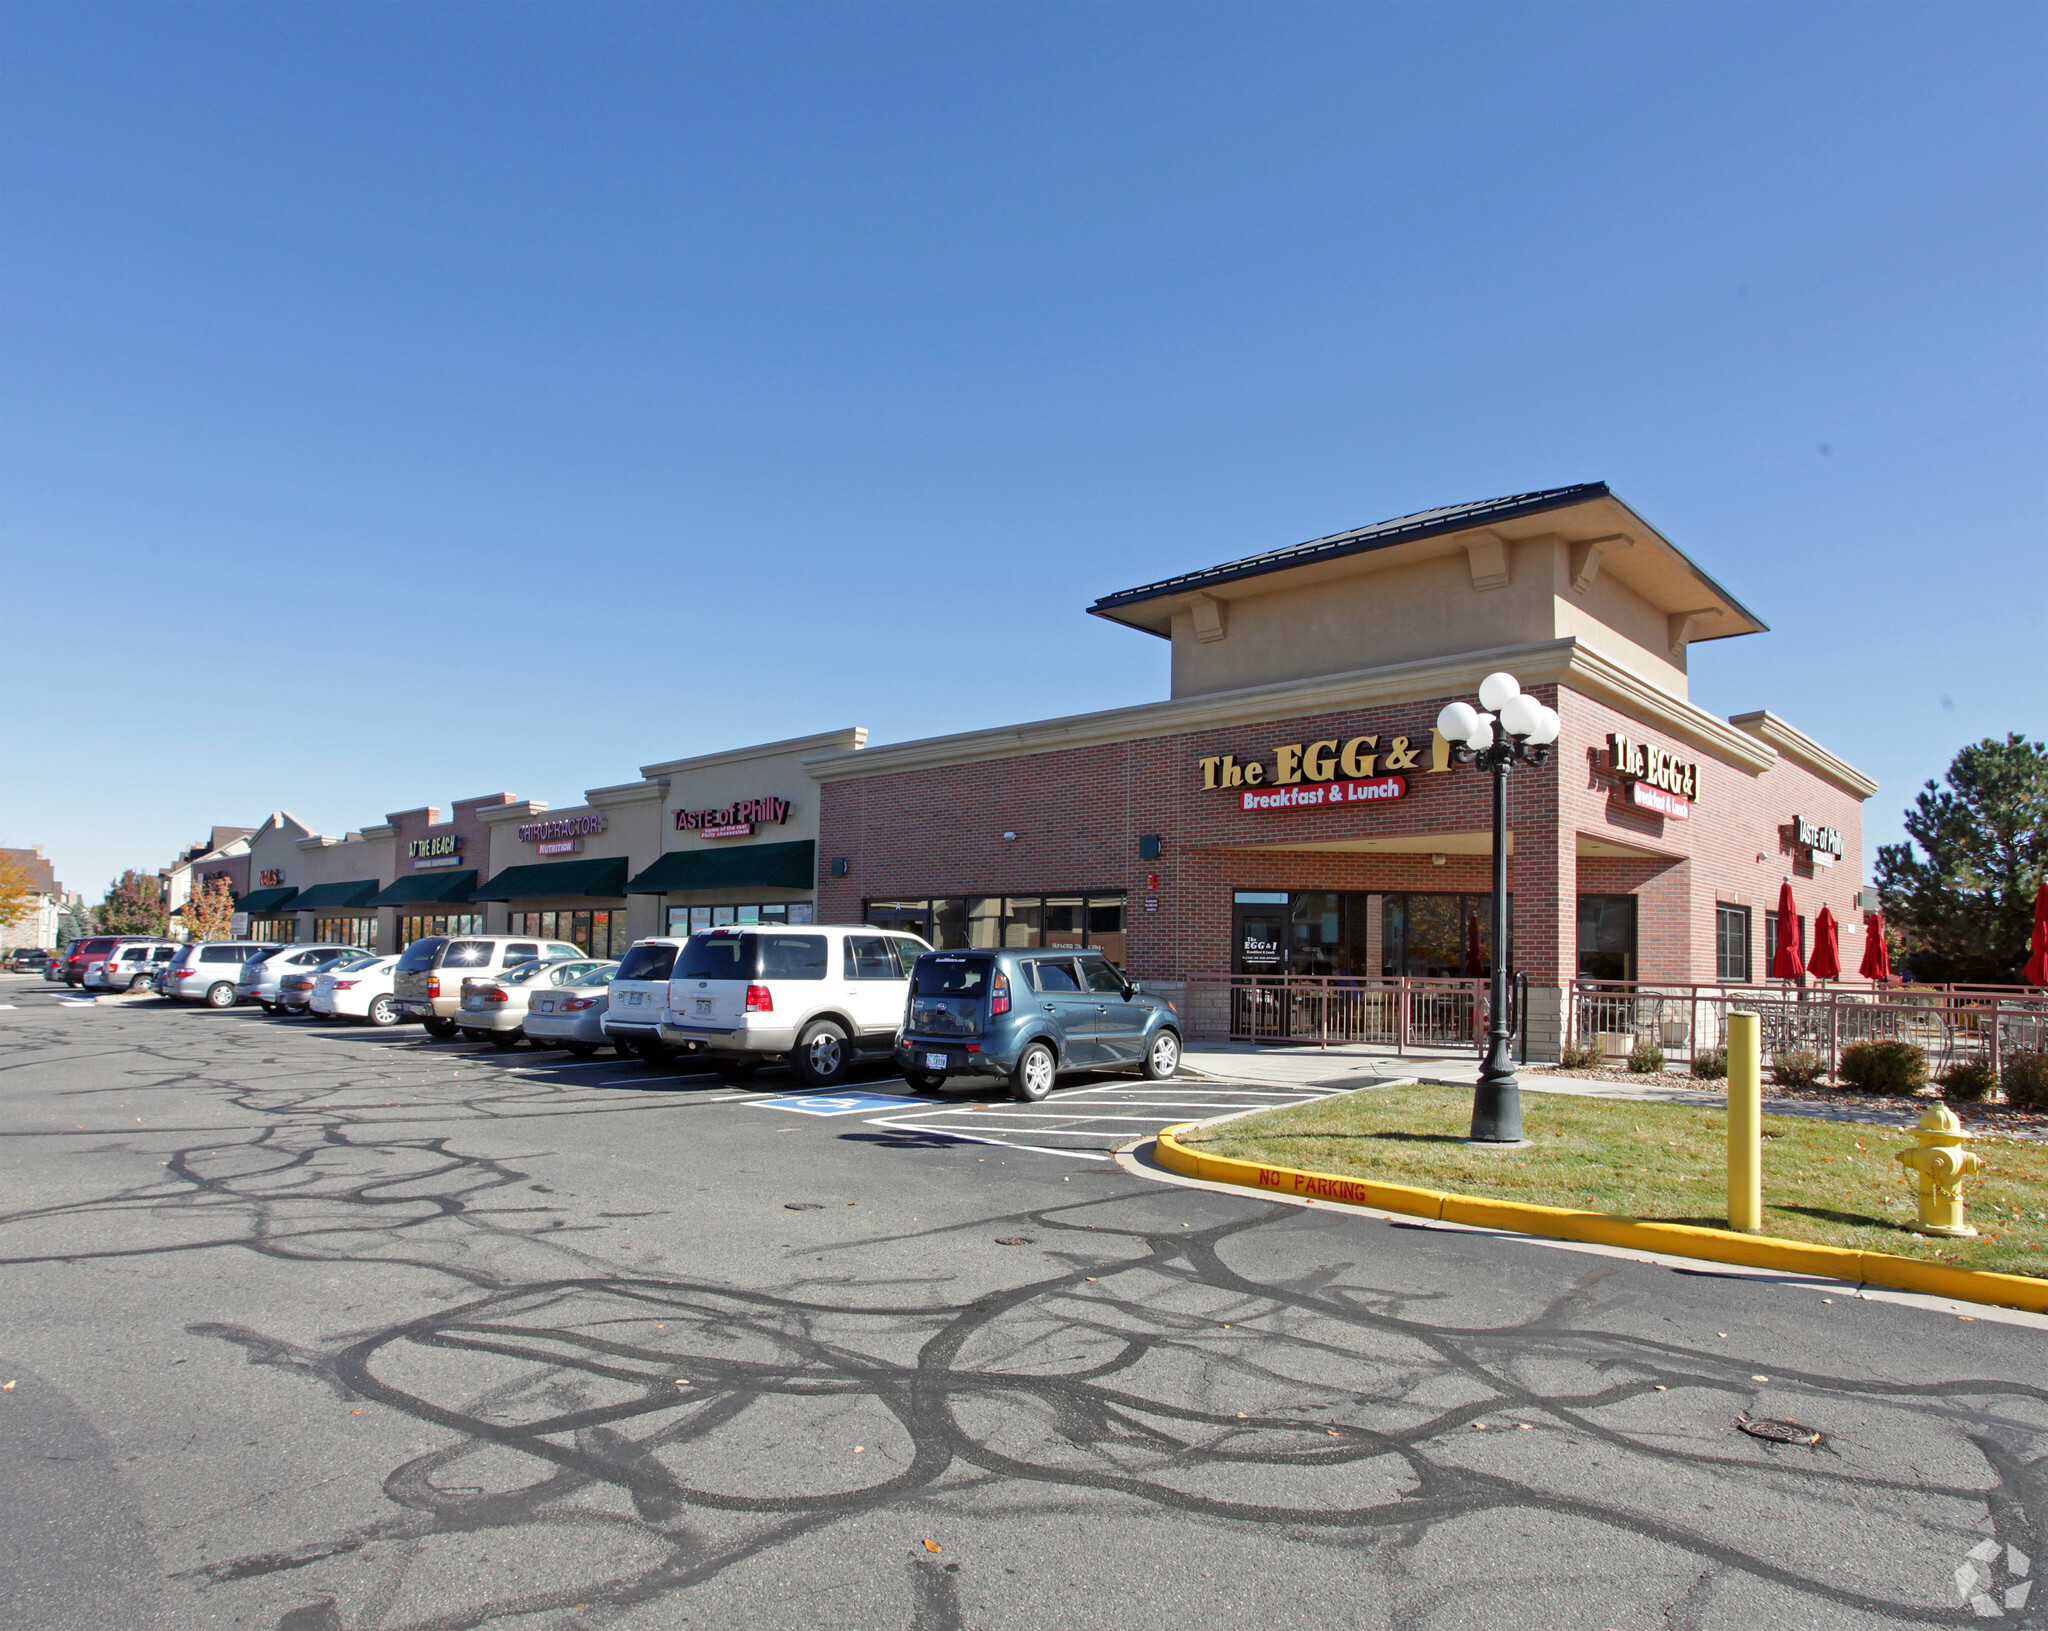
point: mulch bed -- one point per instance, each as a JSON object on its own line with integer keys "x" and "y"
{"x": 1991, "y": 1116}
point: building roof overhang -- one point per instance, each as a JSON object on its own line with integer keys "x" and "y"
{"x": 1637, "y": 555}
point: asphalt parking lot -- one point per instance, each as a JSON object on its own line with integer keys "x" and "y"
{"x": 322, "y": 1329}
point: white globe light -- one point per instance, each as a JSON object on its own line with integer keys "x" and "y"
{"x": 1522, "y": 716}
{"x": 1497, "y": 690}
{"x": 1457, "y": 721}
{"x": 1482, "y": 733}
{"x": 1547, "y": 732}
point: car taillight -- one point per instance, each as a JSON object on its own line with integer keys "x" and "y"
{"x": 576, "y": 1005}
{"x": 181, "y": 973}
{"x": 433, "y": 985}
{"x": 344, "y": 985}
{"x": 759, "y": 1001}
{"x": 497, "y": 996}
{"x": 999, "y": 995}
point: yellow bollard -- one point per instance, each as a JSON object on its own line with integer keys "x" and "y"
{"x": 1745, "y": 1126}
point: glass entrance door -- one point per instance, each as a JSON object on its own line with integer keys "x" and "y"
{"x": 1259, "y": 923}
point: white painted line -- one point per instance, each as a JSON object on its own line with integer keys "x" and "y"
{"x": 1003, "y": 1143}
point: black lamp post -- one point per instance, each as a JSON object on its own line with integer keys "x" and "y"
{"x": 1519, "y": 730}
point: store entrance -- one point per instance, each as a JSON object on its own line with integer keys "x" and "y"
{"x": 1260, "y": 932}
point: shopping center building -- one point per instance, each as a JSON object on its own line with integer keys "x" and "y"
{"x": 1290, "y": 810}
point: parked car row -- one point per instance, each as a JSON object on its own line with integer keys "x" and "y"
{"x": 817, "y": 998}
{"x": 26, "y": 960}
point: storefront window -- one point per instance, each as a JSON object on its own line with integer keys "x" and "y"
{"x": 685, "y": 920}
{"x": 1607, "y": 937}
{"x": 1345, "y": 934}
{"x": 966, "y": 921}
{"x": 1731, "y": 943}
{"x": 594, "y": 933}
{"x": 418, "y": 928}
{"x": 346, "y": 931}
{"x": 282, "y": 929}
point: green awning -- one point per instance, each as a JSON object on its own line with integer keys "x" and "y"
{"x": 744, "y": 866}
{"x": 324, "y": 895}
{"x": 601, "y": 880}
{"x": 261, "y": 901}
{"x": 428, "y": 889}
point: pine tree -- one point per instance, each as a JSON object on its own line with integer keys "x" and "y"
{"x": 1964, "y": 913}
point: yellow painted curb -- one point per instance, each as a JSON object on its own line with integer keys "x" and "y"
{"x": 1597, "y": 1228}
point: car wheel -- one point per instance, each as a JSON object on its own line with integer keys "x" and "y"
{"x": 1032, "y": 1079}
{"x": 438, "y": 1028}
{"x": 923, "y": 1081}
{"x": 138, "y": 982}
{"x": 823, "y": 1055}
{"x": 382, "y": 1013}
{"x": 506, "y": 1039}
{"x": 1162, "y": 1057}
{"x": 582, "y": 1050}
{"x": 220, "y": 996}
{"x": 653, "y": 1051}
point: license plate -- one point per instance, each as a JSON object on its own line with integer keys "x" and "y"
{"x": 935, "y": 1061}
{"x": 635, "y": 998}
{"x": 544, "y": 1006}
{"x": 704, "y": 1005}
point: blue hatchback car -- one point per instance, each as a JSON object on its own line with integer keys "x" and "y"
{"x": 1028, "y": 1016}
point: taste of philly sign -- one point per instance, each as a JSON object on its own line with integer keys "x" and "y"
{"x": 1316, "y": 775}
{"x": 1657, "y": 781}
{"x": 735, "y": 820}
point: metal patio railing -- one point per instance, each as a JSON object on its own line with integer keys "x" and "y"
{"x": 1399, "y": 1013}
{"x": 1951, "y": 1024}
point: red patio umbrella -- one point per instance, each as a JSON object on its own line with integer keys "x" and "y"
{"x": 1475, "y": 954}
{"x": 1786, "y": 963}
{"x": 2036, "y": 971}
{"x": 1826, "y": 961}
{"x": 1877, "y": 956}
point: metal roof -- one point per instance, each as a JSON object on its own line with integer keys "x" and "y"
{"x": 1402, "y": 529}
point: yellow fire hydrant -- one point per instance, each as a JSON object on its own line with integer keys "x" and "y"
{"x": 1943, "y": 1164}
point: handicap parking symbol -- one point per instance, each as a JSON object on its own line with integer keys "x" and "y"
{"x": 836, "y": 1104}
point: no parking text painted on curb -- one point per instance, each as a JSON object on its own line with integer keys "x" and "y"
{"x": 1597, "y": 1228}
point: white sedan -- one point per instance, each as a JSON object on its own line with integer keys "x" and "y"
{"x": 357, "y": 988}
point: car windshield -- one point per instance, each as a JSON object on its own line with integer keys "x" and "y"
{"x": 599, "y": 976}
{"x": 419, "y": 956}
{"x": 647, "y": 963}
{"x": 947, "y": 976}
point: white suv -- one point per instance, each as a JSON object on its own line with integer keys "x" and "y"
{"x": 816, "y": 996}
{"x": 638, "y": 999}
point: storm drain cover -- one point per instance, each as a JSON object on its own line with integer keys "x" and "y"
{"x": 1014, "y": 1240}
{"x": 1778, "y": 1432}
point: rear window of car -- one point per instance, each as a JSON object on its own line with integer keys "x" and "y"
{"x": 348, "y": 965}
{"x": 946, "y": 976}
{"x": 647, "y": 963}
{"x": 715, "y": 957}
{"x": 598, "y": 976}
{"x": 418, "y": 957}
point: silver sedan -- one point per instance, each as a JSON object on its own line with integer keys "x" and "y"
{"x": 495, "y": 1009}
{"x": 572, "y": 1017}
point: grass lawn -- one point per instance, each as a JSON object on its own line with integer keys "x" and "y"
{"x": 1829, "y": 1182}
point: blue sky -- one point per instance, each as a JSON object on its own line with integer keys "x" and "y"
{"x": 405, "y": 403}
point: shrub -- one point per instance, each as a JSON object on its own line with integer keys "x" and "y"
{"x": 1798, "y": 1067}
{"x": 1645, "y": 1057}
{"x": 1971, "y": 1080}
{"x": 1578, "y": 1056}
{"x": 2025, "y": 1080}
{"x": 1884, "y": 1067}
{"x": 1710, "y": 1064}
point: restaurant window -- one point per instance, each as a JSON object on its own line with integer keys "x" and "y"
{"x": 965, "y": 922}
{"x": 1607, "y": 937}
{"x": 1771, "y": 941}
{"x": 418, "y": 928}
{"x": 1437, "y": 935}
{"x": 684, "y": 921}
{"x": 281, "y": 929}
{"x": 594, "y": 933}
{"x": 346, "y": 931}
{"x": 1731, "y": 943}
{"x": 1349, "y": 934}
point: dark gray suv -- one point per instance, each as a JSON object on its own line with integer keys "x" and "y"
{"x": 1028, "y": 1016}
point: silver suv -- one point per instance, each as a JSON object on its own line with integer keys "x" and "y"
{"x": 206, "y": 970}
{"x": 431, "y": 972}
{"x": 258, "y": 980}
{"x": 133, "y": 965}
{"x": 815, "y": 996}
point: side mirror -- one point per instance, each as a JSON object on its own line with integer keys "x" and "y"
{"x": 1131, "y": 989}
